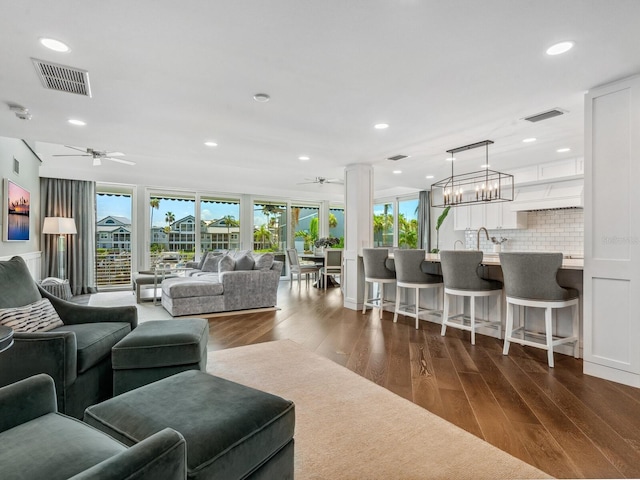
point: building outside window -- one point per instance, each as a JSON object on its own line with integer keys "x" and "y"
{"x": 304, "y": 223}
{"x": 336, "y": 224}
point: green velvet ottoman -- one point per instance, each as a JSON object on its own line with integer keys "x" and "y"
{"x": 232, "y": 431}
{"x": 159, "y": 349}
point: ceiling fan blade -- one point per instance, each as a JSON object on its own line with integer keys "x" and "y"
{"x": 305, "y": 183}
{"x": 86, "y": 150}
{"x": 114, "y": 154}
{"x": 335, "y": 181}
{"x": 85, "y": 155}
{"x": 120, "y": 160}
{"x": 96, "y": 162}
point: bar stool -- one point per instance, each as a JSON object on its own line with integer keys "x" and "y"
{"x": 461, "y": 279}
{"x": 376, "y": 272}
{"x": 530, "y": 281}
{"x": 410, "y": 275}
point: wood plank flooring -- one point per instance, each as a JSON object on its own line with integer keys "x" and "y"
{"x": 568, "y": 424}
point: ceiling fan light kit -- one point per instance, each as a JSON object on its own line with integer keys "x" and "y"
{"x": 474, "y": 187}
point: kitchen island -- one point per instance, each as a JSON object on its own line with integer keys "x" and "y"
{"x": 570, "y": 275}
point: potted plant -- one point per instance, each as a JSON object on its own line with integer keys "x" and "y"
{"x": 326, "y": 242}
{"x": 441, "y": 218}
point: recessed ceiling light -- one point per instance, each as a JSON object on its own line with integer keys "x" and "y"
{"x": 55, "y": 45}
{"x": 381, "y": 126}
{"x": 450, "y": 159}
{"x": 211, "y": 144}
{"x": 486, "y": 165}
{"x": 261, "y": 97}
{"x": 304, "y": 158}
{"x": 563, "y": 150}
{"x": 429, "y": 176}
{"x": 559, "y": 48}
{"x": 529, "y": 140}
{"x": 397, "y": 172}
{"x": 79, "y": 123}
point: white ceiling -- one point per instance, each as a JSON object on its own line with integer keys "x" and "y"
{"x": 167, "y": 76}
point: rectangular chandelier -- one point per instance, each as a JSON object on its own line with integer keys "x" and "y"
{"x": 474, "y": 187}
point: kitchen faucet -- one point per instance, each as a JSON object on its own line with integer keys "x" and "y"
{"x": 455, "y": 244}
{"x": 478, "y": 237}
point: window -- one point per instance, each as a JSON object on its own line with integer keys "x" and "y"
{"x": 304, "y": 223}
{"x": 269, "y": 226}
{"x": 408, "y": 223}
{"x": 336, "y": 224}
{"x": 113, "y": 238}
{"x": 172, "y": 221}
{"x": 219, "y": 224}
{"x": 383, "y": 225}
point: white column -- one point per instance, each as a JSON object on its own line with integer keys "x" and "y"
{"x": 246, "y": 222}
{"x": 358, "y": 227}
{"x": 612, "y": 232}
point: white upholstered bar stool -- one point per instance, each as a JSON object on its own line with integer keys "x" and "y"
{"x": 410, "y": 275}
{"x": 376, "y": 273}
{"x": 461, "y": 279}
{"x": 530, "y": 281}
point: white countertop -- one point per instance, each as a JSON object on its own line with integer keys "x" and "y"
{"x": 494, "y": 259}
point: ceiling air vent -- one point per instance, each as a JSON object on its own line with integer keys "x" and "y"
{"x": 545, "y": 115}
{"x": 63, "y": 78}
{"x": 395, "y": 158}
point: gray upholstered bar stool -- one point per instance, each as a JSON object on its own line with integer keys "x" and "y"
{"x": 377, "y": 273}
{"x": 461, "y": 279}
{"x": 410, "y": 275}
{"x": 530, "y": 281}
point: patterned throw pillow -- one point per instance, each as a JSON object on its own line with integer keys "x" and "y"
{"x": 35, "y": 317}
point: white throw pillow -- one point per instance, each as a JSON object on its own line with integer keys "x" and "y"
{"x": 35, "y": 317}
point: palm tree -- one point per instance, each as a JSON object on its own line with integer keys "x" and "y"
{"x": 154, "y": 203}
{"x": 230, "y": 221}
{"x": 262, "y": 235}
{"x": 333, "y": 221}
{"x": 169, "y": 217}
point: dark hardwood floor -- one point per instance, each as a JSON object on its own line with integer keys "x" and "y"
{"x": 563, "y": 422}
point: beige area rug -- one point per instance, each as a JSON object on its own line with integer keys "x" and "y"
{"x": 350, "y": 428}
{"x": 148, "y": 311}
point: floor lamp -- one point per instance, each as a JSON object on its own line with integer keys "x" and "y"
{"x": 60, "y": 226}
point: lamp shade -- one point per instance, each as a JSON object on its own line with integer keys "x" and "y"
{"x": 59, "y": 225}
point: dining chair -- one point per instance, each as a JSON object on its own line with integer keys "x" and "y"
{"x": 332, "y": 264}
{"x": 300, "y": 269}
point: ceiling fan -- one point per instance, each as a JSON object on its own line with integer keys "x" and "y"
{"x": 322, "y": 181}
{"x": 98, "y": 156}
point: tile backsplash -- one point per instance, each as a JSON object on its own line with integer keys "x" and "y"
{"x": 547, "y": 230}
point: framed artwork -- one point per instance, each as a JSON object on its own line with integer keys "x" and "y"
{"x": 15, "y": 210}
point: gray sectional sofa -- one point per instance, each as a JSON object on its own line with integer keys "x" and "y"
{"x": 224, "y": 281}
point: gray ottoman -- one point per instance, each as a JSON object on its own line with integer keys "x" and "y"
{"x": 232, "y": 431}
{"x": 158, "y": 349}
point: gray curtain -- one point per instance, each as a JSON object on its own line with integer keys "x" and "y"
{"x": 76, "y": 199}
{"x": 424, "y": 220}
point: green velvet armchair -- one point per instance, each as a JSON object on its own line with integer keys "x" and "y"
{"x": 38, "y": 442}
{"x": 76, "y": 355}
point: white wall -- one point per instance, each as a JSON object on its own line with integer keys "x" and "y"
{"x": 28, "y": 178}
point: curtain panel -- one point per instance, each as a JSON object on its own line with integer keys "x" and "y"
{"x": 424, "y": 220}
{"x": 75, "y": 199}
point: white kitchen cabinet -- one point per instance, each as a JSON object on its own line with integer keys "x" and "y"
{"x": 492, "y": 216}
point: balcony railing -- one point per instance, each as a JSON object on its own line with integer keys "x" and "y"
{"x": 113, "y": 269}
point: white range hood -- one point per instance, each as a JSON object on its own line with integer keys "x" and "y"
{"x": 549, "y": 196}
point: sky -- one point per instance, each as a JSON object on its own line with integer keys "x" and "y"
{"x": 120, "y": 206}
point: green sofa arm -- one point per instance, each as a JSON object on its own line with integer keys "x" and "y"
{"x": 27, "y": 400}
{"x": 53, "y": 353}
{"x": 162, "y": 455}
{"x": 73, "y": 314}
